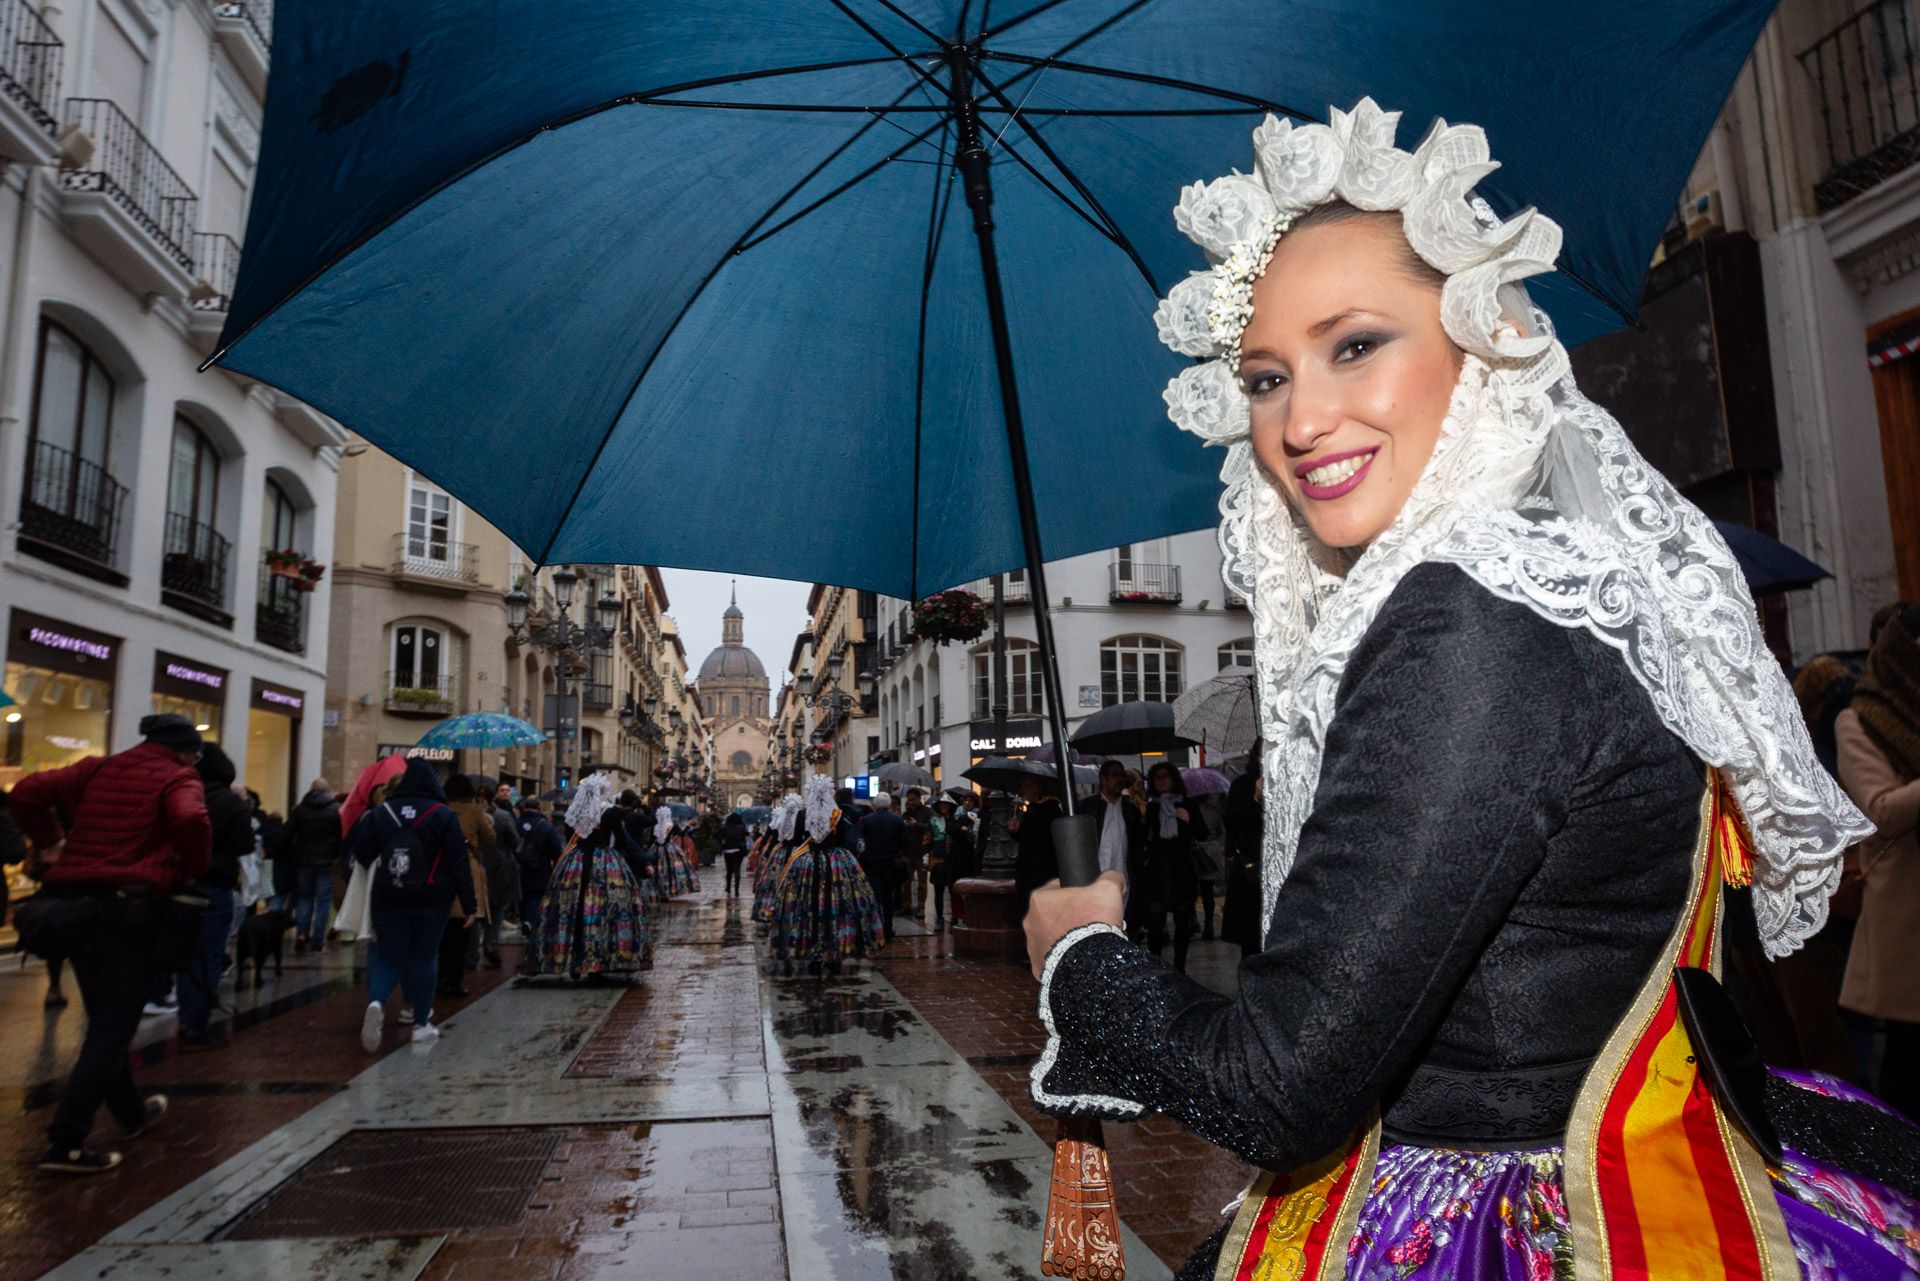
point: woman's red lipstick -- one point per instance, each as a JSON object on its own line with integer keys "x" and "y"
{"x": 1321, "y": 493}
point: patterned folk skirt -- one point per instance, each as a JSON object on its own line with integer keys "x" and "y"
{"x": 826, "y": 910}
{"x": 592, "y": 919}
{"x": 1502, "y": 1216}
{"x": 676, "y": 871}
{"x": 766, "y": 884}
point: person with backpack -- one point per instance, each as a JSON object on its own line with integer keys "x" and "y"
{"x": 413, "y": 845}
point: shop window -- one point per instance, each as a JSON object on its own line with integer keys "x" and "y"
{"x": 60, "y": 678}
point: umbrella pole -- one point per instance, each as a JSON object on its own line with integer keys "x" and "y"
{"x": 1082, "y": 1238}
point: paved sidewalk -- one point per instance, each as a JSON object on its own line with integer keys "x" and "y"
{"x": 709, "y": 1121}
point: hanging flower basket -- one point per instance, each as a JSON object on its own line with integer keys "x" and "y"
{"x": 957, "y": 615}
{"x": 819, "y": 753}
{"x": 664, "y": 770}
{"x": 310, "y": 572}
{"x": 789, "y": 781}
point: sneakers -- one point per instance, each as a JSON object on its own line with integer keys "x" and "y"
{"x": 156, "y": 1110}
{"x": 425, "y": 1032}
{"x": 214, "y": 1038}
{"x": 78, "y": 1161}
{"x": 370, "y": 1025}
{"x": 153, "y": 1009}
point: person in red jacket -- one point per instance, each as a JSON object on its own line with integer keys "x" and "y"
{"x": 123, "y": 831}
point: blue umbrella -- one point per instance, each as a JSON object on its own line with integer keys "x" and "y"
{"x": 646, "y": 242}
{"x": 482, "y": 729}
{"x": 1769, "y": 565}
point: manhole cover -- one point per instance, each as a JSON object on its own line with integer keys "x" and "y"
{"x": 380, "y": 1183}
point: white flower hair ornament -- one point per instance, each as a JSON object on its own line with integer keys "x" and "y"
{"x": 1240, "y": 218}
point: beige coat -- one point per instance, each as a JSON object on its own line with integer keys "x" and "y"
{"x": 476, "y": 824}
{"x": 1882, "y": 978}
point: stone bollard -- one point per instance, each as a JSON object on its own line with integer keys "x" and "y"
{"x": 990, "y": 928}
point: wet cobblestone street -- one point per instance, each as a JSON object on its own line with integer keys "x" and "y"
{"x": 708, "y": 1121}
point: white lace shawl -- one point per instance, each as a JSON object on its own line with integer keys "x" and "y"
{"x": 1539, "y": 496}
{"x": 593, "y": 798}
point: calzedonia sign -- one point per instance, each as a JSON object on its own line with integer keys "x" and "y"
{"x": 1022, "y": 737}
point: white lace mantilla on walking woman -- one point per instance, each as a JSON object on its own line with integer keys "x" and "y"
{"x": 1533, "y": 490}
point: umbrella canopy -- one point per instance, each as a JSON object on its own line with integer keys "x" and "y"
{"x": 753, "y": 814}
{"x": 1045, "y": 755}
{"x": 681, "y": 811}
{"x": 435, "y": 176}
{"x": 1204, "y": 782}
{"x": 1220, "y": 712}
{"x": 1769, "y": 565}
{"x": 1128, "y": 728}
{"x": 900, "y": 774}
{"x": 482, "y": 729}
{"x": 6, "y": 699}
{"x": 1004, "y": 774}
{"x": 384, "y": 770}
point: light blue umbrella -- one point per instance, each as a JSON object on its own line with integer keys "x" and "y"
{"x": 907, "y": 251}
{"x": 482, "y": 729}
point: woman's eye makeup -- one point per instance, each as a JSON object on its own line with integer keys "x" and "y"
{"x": 1359, "y": 346}
{"x": 1263, "y": 383}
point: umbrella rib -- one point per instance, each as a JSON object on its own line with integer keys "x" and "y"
{"x": 738, "y": 247}
{"x": 936, "y": 223}
{"x": 1118, "y": 236}
{"x": 987, "y": 31}
{"x": 348, "y": 250}
{"x": 905, "y": 17}
{"x": 887, "y": 44}
{"x": 752, "y": 240}
{"x": 1250, "y": 102}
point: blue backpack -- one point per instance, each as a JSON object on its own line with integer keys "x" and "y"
{"x": 402, "y": 864}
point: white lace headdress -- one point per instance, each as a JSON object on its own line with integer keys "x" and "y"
{"x": 820, "y": 806}
{"x": 593, "y": 798}
{"x": 662, "y": 823}
{"x": 1532, "y": 489}
{"x": 786, "y": 815}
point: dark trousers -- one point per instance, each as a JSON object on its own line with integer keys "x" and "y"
{"x": 734, "y": 859}
{"x": 200, "y": 983}
{"x": 939, "y": 904}
{"x": 113, "y": 978}
{"x": 315, "y": 903}
{"x": 453, "y": 953}
{"x": 406, "y": 941}
{"x": 886, "y": 883}
{"x": 1900, "y": 1067}
{"x": 1182, "y": 930}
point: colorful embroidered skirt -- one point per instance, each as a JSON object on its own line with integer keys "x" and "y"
{"x": 826, "y": 910}
{"x": 676, "y": 873}
{"x": 1501, "y": 1216}
{"x": 766, "y": 884}
{"x": 591, "y": 918}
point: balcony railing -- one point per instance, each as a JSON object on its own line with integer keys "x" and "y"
{"x": 128, "y": 168}
{"x": 1014, "y": 590}
{"x": 426, "y": 557}
{"x": 1139, "y": 583}
{"x": 71, "y": 505}
{"x": 280, "y": 616}
{"x": 1868, "y": 87}
{"x": 216, "y": 261}
{"x": 410, "y": 693}
{"x": 597, "y": 697}
{"x": 193, "y": 567}
{"x": 257, "y": 14}
{"x": 30, "y": 62}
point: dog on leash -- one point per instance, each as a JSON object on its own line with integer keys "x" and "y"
{"x": 263, "y": 936}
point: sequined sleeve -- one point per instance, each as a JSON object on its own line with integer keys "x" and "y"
{"x": 1457, "y": 737}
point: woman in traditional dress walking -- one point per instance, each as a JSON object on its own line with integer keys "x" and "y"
{"x": 826, "y": 912}
{"x": 591, "y": 919}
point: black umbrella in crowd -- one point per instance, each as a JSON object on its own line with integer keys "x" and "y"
{"x": 1129, "y": 729}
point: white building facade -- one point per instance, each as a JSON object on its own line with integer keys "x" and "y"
{"x": 1137, "y": 622}
{"x": 138, "y": 498}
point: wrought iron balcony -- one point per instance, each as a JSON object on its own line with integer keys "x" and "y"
{"x": 410, "y": 694}
{"x": 1868, "y": 89}
{"x": 1014, "y": 590}
{"x": 30, "y": 56}
{"x": 193, "y": 569}
{"x": 1138, "y": 583}
{"x": 70, "y": 511}
{"x": 151, "y": 243}
{"x": 597, "y": 697}
{"x": 280, "y": 615}
{"x": 216, "y": 262}
{"x": 422, "y": 556}
{"x": 244, "y": 29}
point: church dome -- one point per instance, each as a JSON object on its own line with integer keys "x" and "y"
{"x": 732, "y": 662}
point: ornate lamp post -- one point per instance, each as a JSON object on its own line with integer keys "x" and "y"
{"x": 572, "y": 643}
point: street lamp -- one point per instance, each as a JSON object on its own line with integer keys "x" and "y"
{"x": 608, "y": 607}
{"x": 564, "y": 580}
{"x": 564, "y": 637}
{"x": 835, "y": 661}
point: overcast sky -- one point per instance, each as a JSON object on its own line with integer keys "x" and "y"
{"x": 776, "y": 611}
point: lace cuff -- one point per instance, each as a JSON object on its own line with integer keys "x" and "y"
{"x": 1056, "y": 1083}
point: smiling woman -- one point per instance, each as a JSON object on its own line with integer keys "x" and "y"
{"x": 1493, "y": 651}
